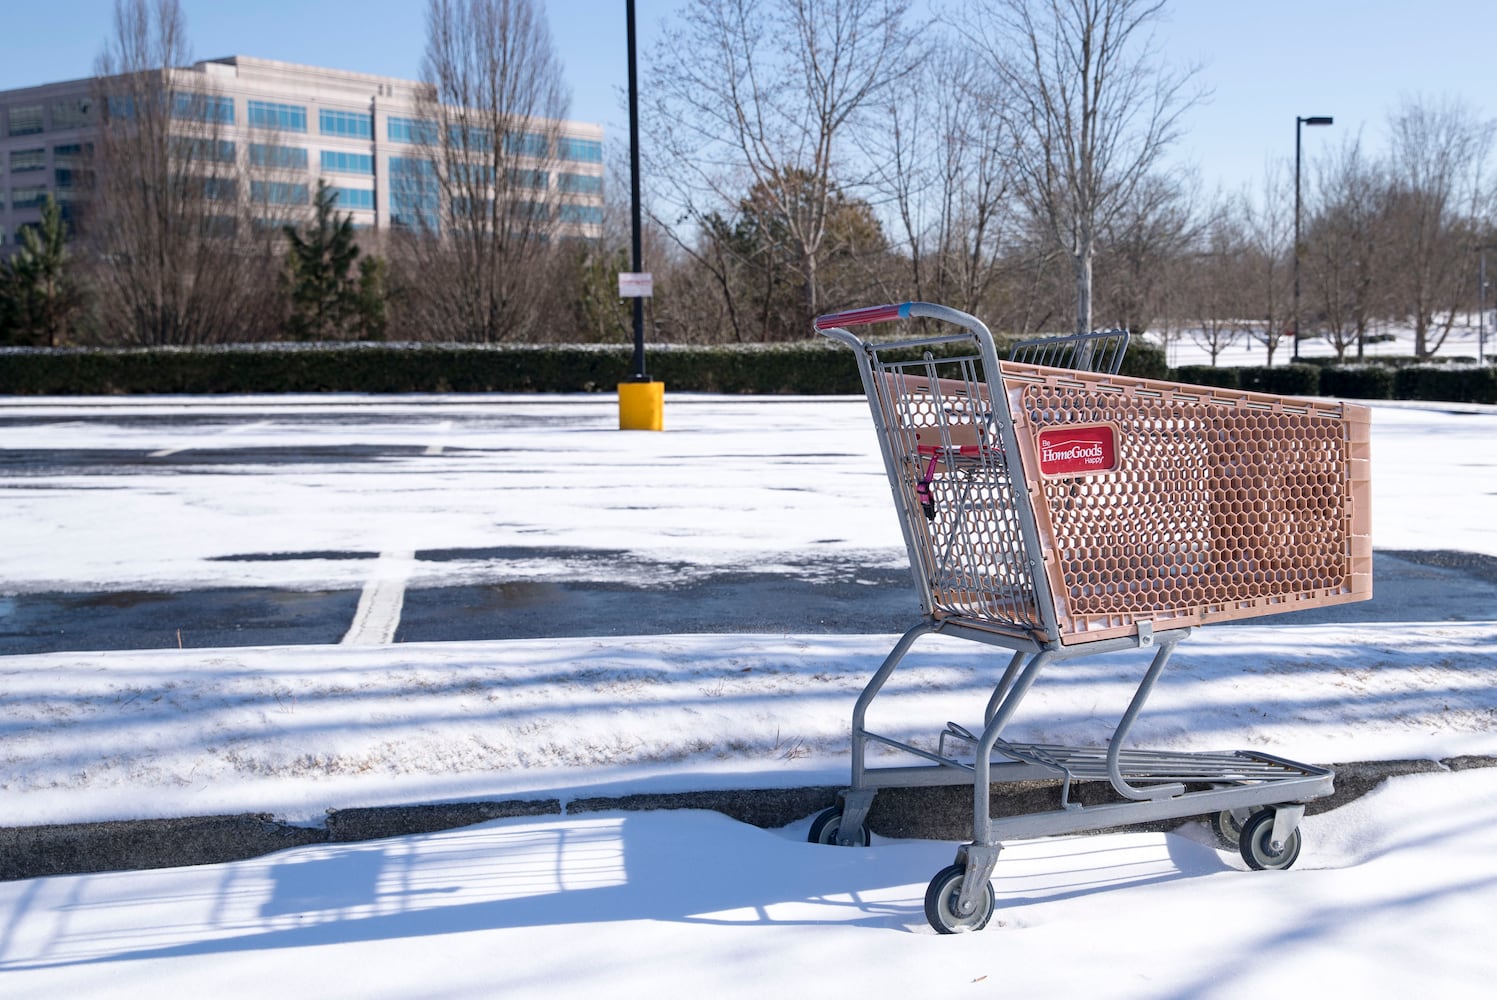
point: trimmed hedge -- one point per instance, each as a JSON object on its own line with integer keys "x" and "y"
{"x": 1359, "y": 382}
{"x": 1285, "y": 380}
{"x": 1455, "y": 384}
{"x": 1219, "y": 378}
{"x": 1446, "y": 382}
{"x": 811, "y": 368}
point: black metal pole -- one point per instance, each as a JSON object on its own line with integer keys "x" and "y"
{"x": 635, "y": 264}
{"x": 1298, "y": 122}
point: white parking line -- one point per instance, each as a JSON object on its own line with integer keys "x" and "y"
{"x": 383, "y": 597}
{"x": 207, "y": 442}
{"x": 443, "y": 429}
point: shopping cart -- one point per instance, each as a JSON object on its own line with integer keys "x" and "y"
{"x": 1064, "y": 512}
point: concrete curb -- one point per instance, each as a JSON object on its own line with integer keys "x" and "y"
{"x": 936, "y": 813}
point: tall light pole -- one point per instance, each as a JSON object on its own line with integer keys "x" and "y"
{"x": 641, "y": 399}
{"x": 1298, "y": 123}
{"x": 635, "y": 254}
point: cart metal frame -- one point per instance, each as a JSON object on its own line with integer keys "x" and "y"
{"x": 977, "y": 476}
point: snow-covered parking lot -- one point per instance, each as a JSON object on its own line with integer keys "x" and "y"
{"x": 1396, "y": 894}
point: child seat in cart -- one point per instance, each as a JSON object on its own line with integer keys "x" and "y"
{"x": 1055, "y": 509}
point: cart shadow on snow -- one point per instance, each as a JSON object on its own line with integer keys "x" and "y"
{"x": 600, "y": 868}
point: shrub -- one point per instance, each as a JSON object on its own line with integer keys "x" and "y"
{"x": 1145, "y": 360}
{"x": 1357, "y": 382}
{"x": 1285, "y": 380}
{"x": 1456, "y": 384}
{"x": 1220, "y": 378}
{"x": 812, "y": 368}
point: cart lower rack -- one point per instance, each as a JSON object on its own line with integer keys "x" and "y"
{"x": 1060, "y": 513}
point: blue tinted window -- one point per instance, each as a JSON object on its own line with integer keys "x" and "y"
{"x": 412, "y": 130}
{"x": 537, "y": 180}
{"x": 351, "y": 198}
{"x": 414, "y": 197}
{"x": 579, "y": 183}
{"x": 280, "y": 117}
{"x": 206, "y": 150}
{"x": 278, "y": 193}
{"x": 579, "y": 150}
{"x": 532, "y": 210}
{"x": 527, "y": 144}
{"x": 353, "y": 124}
{"x": 463, "y": 206}
{"x": 337, "y": 161}
{"x": 203, "y": 108}
{"x": 470, "y": 138}
{"x": 405, "y": 167}
{"x": 470, "y": 174}
{"x": 284, "y": 157}
{"x": 579, "y": 213}
{"x": 220, "y": 188}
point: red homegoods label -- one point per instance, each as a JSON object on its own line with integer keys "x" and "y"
{"x": 1069, "y": 451}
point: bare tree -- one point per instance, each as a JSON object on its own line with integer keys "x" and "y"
{"x": 1435, "y": 164}
{"x": 165, "y": 219}
{"x": 1349, "y": 264}
{"x": 762, "y": 96}
{"x": 1268, "y": 232}
{"x": 942, "y": 166}
{"x": 1213, "y": 292}
{"x": 474, "y": 194}
{"x": 1092, "y": 108}
{"x": 1137, "y": 249}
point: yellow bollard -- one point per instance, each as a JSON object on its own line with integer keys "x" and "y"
{"x": 641, "y": 406}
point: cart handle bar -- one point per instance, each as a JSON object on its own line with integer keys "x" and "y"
{"x": 889, "y": 313}
{"x": 862, "y": 317}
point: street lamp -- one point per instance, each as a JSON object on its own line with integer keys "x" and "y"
{"x": 1298, "y": 122}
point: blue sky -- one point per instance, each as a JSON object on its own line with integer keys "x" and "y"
{"x": 1265, "y": 61}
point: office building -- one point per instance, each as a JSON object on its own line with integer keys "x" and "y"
{"x": 286, "y": 126}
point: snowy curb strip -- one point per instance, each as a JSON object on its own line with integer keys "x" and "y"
{"x": 942, "y": 813}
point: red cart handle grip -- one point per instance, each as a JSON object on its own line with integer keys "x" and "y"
{"x": 862, "y": 317}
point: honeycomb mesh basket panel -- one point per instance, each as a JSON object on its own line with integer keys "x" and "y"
{"x": 1217, "y": 504}
{"x": 965, "y": 533}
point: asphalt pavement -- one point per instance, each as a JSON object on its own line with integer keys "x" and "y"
{"x": 560, "y": 591}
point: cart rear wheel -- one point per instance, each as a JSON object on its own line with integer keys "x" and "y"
{"x": 1228, "y": 824}
{"x": 941, "y": 899}
{"x": 1257, "y": 849}
{"x": 826, "y": 827}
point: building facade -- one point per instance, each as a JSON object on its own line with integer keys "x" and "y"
{"x": 286, "y": 126}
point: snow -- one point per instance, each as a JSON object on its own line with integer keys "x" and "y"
{"x": 1395, "y": 894}
{"x": 1397, "y": 899}
{"x": 296, "y": 730}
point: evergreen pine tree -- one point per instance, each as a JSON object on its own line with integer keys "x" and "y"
{"x": 325, "y": 290}
{"x": 37, "y": 294}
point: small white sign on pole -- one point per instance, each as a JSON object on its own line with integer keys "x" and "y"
{"x": 636, "y": 284}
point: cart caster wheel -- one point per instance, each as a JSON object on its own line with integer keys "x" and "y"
{"x": 824, "y": 829}
{"x": 1258, "y": 852}
{"x": 940, "y": 903}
